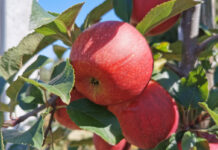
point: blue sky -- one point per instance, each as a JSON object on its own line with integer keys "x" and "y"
{"x": 61, "y": 5}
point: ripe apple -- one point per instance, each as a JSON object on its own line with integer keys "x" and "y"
{"x": 100, "y": 144}
{"x": 61, "y": 114}
{"x": 112, "y": 61}
{"x": 149, "y": 118}
{"x": 142, "y": 7}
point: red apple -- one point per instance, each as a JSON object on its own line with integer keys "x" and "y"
{"x": 142, "y": 7}
{"x": 149, "y": 118}
{"x": 100, "y": 144}
{"x": 112, "y": 61}
{"x": 61, "y": 114}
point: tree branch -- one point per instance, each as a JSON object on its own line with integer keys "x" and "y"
{"x": 203, "y": 45}
{"x": 190, "y": 31}
{"x": 14, "y": 122}
{"x": 174, "y": 69}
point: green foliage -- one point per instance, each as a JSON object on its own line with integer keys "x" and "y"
{"x": 59, "y": 50}
{"x": 59, "y": 27}
{"x": 20, "y": 147}
{"x": 1, "y": 118}
{"x": 216, "y": 77}
{"x": 1, "y": 141}
{"x": 187, "y": 91}
{"x": 58, "y": 69}
{"x": 17, "y": 56}
{"x": 91, "y": 117}
{"x": 2, "y": 83}
{"x": 213, "y": 99}
{"x": 168, "y": 144}
{"x": 32, "y": 137}
{"x": 213, "y": 114}
{"x": 61, "y": 85}
{"x": 4, "y": 107}
{"x": 30, "y": 96}
{"x": 123, "y": 9}
{"x": 163, "y": 12}
{"x": 15, "y": 88}
{"x": 190, "y": 141}
{"x": 191, "y": 92}
{"x": 96, "y": 14}
{"x": 38, "y": 16}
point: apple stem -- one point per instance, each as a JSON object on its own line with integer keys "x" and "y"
{"x": 94, "y": 81}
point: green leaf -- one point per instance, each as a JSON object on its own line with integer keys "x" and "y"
{"x": 189, "y": 140}
{"x": 213, "y": 130}
{"x": 213, "y": 99}
{"x": 1, "y": 119}
{"x": 123, "y": 9}
{"x": 95, "y": 118}
{"x": 15, "y": 87}
{"x": 163, "y": 12}
{"x": 68, "y": 16}
{"x": 96, "y": 14}
{"x": 163, "y": 47}
{"x": 39, "y": 16}
{"x": 62, "y": 25}
{"x": 40, "y": 62}
{"x": 32, "y": 137}
{"x": 191, "y": 90}
{"x": 58, "y": 69}
{"x": 216, "y": 77}
{"x": 2, "y": 83}
{"x": 168, "y": 144}
{"x": 167, "y": 79}
{"x": 30, "y": 96}
{"x": 20, "y": 147}
{"x": 2, "y": 147}
{"x": 14, "y": 58}
{"x": 59, "y": 50}
{"x": 202, "y": 144}
{"x": 187, "y": 91}
{"x": 212, "y": 113}
{"x": 60, "y": 86}
{"x": 198, "y": 78}
{"x": 56, "y": 136}
{"x": 4, "y": 107}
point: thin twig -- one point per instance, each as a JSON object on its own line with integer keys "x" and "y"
{"x": 203, "y": 45}
{"x": 174, "y": 69}
{"x": 20, "y": 119}
{"x": 50, "y": 123}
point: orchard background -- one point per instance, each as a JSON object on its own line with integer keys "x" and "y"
{"x": 185, "y": 64}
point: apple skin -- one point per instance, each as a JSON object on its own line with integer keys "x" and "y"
{"x": 149, "y": 118}
{"x": 142, "y": 7}
{"x": 112, "y": 61}
{"x": 61, "y": 114}
{"x": 100, "y": 144}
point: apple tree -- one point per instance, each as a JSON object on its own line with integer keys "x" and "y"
{"x": 166, "y": 99}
